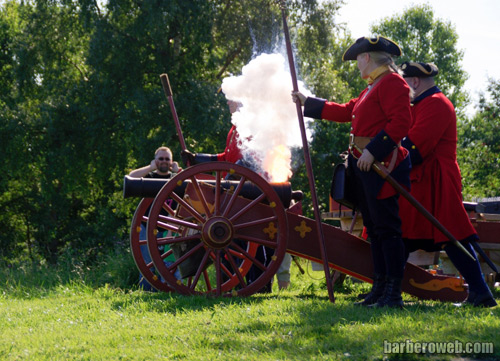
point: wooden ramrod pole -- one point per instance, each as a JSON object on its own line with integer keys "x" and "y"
{"x": 168, "y": 93}
{"x": 307, "y": 156}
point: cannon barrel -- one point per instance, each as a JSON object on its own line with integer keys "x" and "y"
{"x": 149, "y": 188}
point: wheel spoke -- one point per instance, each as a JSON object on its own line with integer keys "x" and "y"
{"x": 248, "y": 256}
{"x": 187, "y": 254}
{"x": 254, "y": 223}
{"x": 188, "y": 208}
{"x": 177, "y": 221}
{"x": 234, "y": 196}
{"x": 200, "y": 195}
{"x": 236, "y": 269}
{"x": 217, "y": 194}
{"x": 176, "y": 239}
{"x": 200, "y": 269}
{"x": 168, "y": 227}
{"x": 207, "y": 281}
{"x": 222, "y": 266}
{"x": 260, "y": 241}
{"x": 172, "y": 269}
{"x": 167, "y": 206}
{"x": 218, "y": 275}
{"x": 247, "y": 207}
{"x": 237, "y": 254}
{"x": 166, "y": 254}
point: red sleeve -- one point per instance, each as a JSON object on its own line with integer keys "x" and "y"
{"x": 341, "y": 113}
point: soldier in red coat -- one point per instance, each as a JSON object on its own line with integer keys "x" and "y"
{"x": 380, "y": 118}
{"x": 436, "y": 181}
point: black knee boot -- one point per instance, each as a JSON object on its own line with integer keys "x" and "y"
{"x": 484, "y": 299}
{"x": 479, "y": 292}
{"x": 377, "y": 291}
{"x": 392, "y": 294}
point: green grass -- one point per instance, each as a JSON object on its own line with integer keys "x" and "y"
{"x": 48, "y": 315}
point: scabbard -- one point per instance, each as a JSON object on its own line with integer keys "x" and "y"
{"x": 483, "y": 254}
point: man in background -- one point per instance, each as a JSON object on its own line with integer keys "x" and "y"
{"x": 162, "y": 166}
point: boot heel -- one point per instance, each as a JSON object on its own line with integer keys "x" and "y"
{"x": 377, "y": 291}
{"x": 392, "y": 294}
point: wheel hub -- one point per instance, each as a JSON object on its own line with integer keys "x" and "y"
{"x": 217, "y": 232}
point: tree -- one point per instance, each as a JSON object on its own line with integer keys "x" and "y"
{"x": 479, "y": 147}
{"x": 82, "y": 103}
{"x": 424, "y": 38}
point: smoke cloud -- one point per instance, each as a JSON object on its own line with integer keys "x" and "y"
{"x": 267, "y": 122}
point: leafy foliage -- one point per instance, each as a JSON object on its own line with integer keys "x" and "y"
{"x": 426, "y": 39}
{"x": 82, "y": 104}
{"x": 480, "y": 146}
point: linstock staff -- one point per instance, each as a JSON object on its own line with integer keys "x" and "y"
{"x": 380, "y": 118}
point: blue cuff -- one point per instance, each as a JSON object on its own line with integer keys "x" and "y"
{"x": 202, "y": 158}
{"x": 381, "y": 146}
{"x": 415, "y": 156}
{"x": 313, "y": 107}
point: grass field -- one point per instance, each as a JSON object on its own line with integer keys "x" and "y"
{"x": 49, "y": 314}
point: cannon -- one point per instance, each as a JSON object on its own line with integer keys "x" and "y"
{"x": 209, "y": 229}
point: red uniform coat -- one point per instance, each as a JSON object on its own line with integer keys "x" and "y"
{"x": 436, "y": 182}
{"x": 381, "y": 111}
{"x": 232, "y": 153}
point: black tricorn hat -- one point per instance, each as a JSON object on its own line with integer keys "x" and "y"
{"x": 419, "y": 70}
{"x": 377, "y": 43}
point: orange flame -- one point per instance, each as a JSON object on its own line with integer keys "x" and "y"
{"x": 277, "y": 164}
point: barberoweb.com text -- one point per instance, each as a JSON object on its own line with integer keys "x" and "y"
{"x": 452, "y": 347}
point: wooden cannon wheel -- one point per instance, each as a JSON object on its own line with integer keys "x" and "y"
{"x": 140, "y": 251}
{"x": 215, "y": 232}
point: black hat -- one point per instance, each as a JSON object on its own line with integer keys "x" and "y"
{"x": 419, "y": 70}
{"x": 377, "y": 43}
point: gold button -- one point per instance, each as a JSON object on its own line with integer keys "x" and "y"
{"x": 385, "y": 137}
{"x": 382, "y": 163}
{"x": 413, "y": 147}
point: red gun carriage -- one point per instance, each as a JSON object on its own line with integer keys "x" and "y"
{"x": 211, "y": 228}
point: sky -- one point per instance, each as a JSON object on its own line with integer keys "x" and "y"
{"x": 476, "y": 23}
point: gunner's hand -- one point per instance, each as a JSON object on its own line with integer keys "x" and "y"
{"x": 298, "y": 97}
{"x": 365, "y": 161}
{"x": 187, "y": 157}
